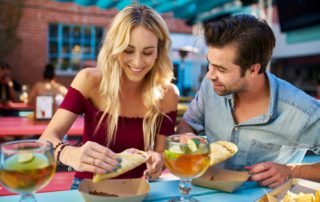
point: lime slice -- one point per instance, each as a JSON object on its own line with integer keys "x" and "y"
{"x": 171, "y": 155}
{"x": 25, "y": 158}
{"x": 192, "y": 145}
{"x": 175, "y": 149}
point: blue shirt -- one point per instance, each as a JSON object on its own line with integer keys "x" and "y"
{"x": 283, "y": 135}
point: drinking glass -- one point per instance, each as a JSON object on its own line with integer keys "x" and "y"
{"x": 187, "y": 157}
{"x": 26, "y": 166}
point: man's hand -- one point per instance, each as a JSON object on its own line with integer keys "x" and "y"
{"x": 269, "y": 174}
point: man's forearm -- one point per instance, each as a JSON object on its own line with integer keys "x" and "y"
{"x": 306, "y": 171}
{"x": 183, "y": 127}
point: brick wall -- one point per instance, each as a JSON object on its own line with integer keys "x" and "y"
{"x": 28, "y": 59}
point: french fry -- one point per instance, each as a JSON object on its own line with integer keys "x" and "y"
{"x": 317, "y": 198}
{"x": 301, "y": 197}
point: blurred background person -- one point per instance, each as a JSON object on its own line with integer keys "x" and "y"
{"x": 49, "y": 86}
{"x": 9, "y": 88}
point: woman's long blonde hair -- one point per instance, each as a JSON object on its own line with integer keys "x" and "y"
{"x": 155, "y": 82}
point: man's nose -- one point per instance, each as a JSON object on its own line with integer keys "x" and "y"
{"x": 212, "y": 74}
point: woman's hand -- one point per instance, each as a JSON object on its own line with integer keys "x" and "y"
{"x": 154, "y": 165}
{"x": 91, "y": 157}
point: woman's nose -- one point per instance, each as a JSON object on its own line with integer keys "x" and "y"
{"x": 137, "y": 60}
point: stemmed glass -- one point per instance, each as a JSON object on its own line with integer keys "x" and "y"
{"x": 26, "y": 166}
{"x": 187, "y": 157}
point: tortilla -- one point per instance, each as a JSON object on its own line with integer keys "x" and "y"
{"x": 129, "y": 161}
{"x": 221, "y": 151}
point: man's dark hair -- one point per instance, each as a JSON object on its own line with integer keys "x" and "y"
{"x": 253, "y": 38}
{"x": 49, "y": 72}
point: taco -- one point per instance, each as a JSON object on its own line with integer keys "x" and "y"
{"x": 221, "y": 151}
{"x": 129, "y": 161}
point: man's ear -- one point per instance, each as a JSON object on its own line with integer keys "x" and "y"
{"x": 254, "y": 69}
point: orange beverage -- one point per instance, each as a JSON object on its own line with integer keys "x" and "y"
{"x": 25, "y": 173}
{"x": 186, "y": 165}
{"x": 186, "y": 156}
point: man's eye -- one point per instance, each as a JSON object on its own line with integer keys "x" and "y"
{"x": 209, "y": 66}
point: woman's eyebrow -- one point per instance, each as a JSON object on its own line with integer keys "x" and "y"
{"x": 148, "y": 47}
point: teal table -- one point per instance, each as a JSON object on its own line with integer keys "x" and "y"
{"x": 161, "y": 191}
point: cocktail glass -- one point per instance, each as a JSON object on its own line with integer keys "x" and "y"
{"x": 187, "y": 157}
{"x": 26, "y": 166}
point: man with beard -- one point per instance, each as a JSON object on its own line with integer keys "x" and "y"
{"x": 272, "y": 122}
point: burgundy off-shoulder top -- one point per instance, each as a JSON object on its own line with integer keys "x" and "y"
{"x": 128, "y": 135}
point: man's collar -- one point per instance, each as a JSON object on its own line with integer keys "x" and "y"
{"x": 272, "y": 112}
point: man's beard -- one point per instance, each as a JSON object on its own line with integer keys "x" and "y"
{"x": 225, "y": 91}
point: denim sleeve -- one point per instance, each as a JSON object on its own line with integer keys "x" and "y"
{"x": 311, "y": 132}
{"x": 194, "y": 116}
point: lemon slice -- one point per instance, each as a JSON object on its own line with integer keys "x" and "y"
{"x": 25, "y": 158}
{"x": 192, "y": 145}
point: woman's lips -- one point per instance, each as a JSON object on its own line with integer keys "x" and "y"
{"x": 135, "y": 69}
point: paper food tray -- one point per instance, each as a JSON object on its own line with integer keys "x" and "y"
{"x": 220, "y": 179}
{"x": 294, "y": 185}
{"x": 126, "y": 190}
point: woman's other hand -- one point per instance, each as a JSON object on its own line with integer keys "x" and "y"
{"x": 91, "y": 157}
{"x": 154, "y": 165}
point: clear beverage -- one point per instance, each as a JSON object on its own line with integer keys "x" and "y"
{"x": 26, "y": 166}
{"x": 28, "y": 176}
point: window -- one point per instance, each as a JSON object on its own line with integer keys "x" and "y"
{"x": 71, "y": 46}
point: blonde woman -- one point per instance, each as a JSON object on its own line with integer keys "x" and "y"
{"x": 127, "y": 100}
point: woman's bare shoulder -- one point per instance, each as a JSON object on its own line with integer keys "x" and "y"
{"x": 90, "y": 72}
{"x": 87, "y": 80}
{"x": 170, "y": 99}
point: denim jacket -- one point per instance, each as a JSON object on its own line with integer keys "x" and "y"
{"x": 283, "y": 135}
